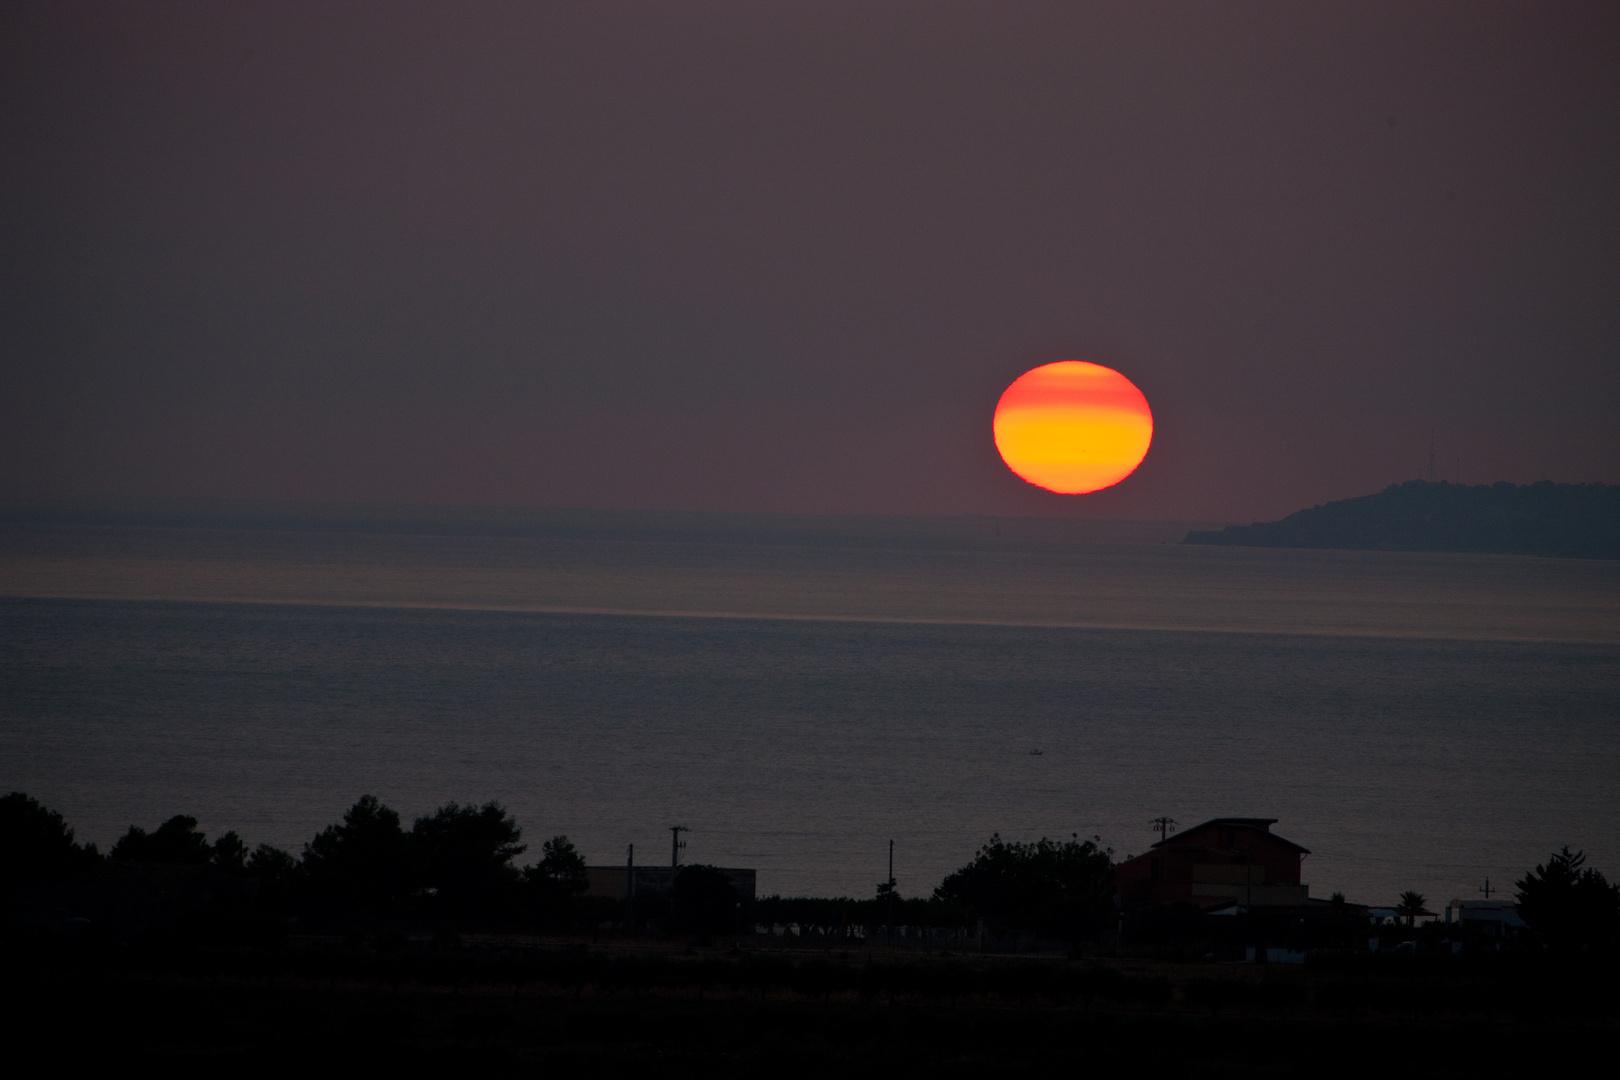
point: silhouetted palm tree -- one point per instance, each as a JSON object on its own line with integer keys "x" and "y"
{"x": 1411, "y": 906}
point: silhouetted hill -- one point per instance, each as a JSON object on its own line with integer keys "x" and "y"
{"x": 1579, "y": 521}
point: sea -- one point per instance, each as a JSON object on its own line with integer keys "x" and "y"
{"x": 799, "y": 692}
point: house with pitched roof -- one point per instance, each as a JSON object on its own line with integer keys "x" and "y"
{"x": 1219, "y": 864}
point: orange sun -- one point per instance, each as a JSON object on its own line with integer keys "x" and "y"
{"x": 1073, "y": 427}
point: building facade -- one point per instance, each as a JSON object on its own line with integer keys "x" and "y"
{"x": 1220, "y": 863}
{"x": 1489, "y": 918}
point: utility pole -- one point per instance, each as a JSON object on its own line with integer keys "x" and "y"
{"x": 1487, "y": 889}
{"x": 890, "y": 930}
{"x": 1164, "y": 826}
{"x": 675, "y": 846}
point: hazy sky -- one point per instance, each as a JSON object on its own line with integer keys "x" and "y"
{"x": 785, "y": 256}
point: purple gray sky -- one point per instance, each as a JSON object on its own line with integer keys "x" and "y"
{"x": 785, "y": 256}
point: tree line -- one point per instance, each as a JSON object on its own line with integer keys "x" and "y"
{"x": 459, "y": 866}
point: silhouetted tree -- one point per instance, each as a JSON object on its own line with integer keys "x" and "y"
{"x": 1568, "y": 903}
{"x": 37, "y": 845}
{"x": 888, "y": 895}
{"x": 703, "y": 901}
{"x": 229, "y": 853}
{"x": 1064, "y": 889}
{"x": 562, "y": 865}
{"x": 177, "y": 841}
{"x": 363, "y": 867}
{"x": 1411, "y": 905}
{"x": 277, "y": 872}
{"x": 271, "y": 862}
{"x": 556, "y": 880}
{"x": 465, "y": 857}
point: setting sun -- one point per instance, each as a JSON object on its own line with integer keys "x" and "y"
{"x": 1073, "y": 427}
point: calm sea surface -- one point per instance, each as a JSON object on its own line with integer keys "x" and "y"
{"x": 1405, "y": 753}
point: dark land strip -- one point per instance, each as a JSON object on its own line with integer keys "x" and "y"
{"x": 1567, "y": 520}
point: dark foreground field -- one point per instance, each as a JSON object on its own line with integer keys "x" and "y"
{"x": 622, "y": 1011}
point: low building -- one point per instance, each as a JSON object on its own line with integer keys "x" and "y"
{"x": 614, "y": 882}
{"x": 1489, "y": 918}
{"x": 1222, "y": 863}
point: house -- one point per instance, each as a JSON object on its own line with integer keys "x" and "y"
{"x": 1222, "y": 863}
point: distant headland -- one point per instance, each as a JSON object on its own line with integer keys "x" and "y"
{"x": 1576, "y": 521}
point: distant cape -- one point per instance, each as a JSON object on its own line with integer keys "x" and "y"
{"x": 1580, "y": 521}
